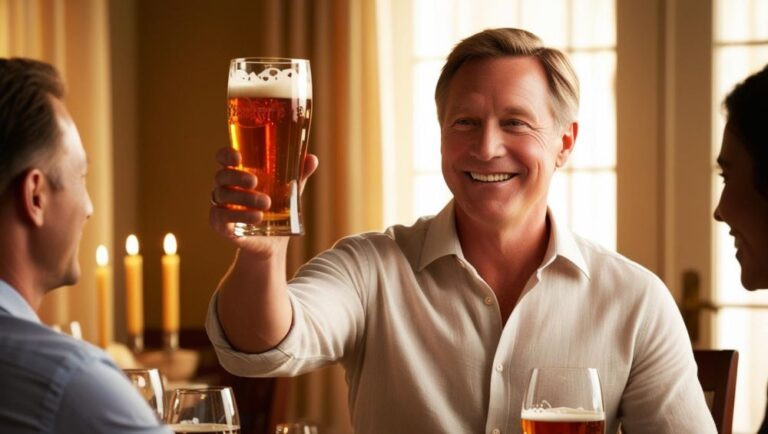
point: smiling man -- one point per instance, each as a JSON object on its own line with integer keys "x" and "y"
{"x": 439, "y": 324}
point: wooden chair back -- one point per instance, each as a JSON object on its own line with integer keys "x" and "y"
{"x": 717, "y": 375}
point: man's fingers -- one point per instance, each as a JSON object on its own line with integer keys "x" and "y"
{"x": 223, "y": 197}
{"x": 236, "y": 178}
{"x": 310, "y": 165}
{"x": 228, "y": 157}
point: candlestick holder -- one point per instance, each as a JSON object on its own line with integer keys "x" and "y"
{"x": 176, "y": 364}
{"x": 171, "y": 340}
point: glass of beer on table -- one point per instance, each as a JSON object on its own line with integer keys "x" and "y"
{"x": 563, "y": 401}
{"x": 203, "y": 410}
{"x": 269, "y": 107}
{"x": 149, "y": 383}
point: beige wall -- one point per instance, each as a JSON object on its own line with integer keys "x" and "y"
{"x": 170, "y": 61}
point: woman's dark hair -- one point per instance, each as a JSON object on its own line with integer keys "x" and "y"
{"x": 747, "y": 112}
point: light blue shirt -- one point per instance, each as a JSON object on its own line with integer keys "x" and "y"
{"x": 53, "y": 383}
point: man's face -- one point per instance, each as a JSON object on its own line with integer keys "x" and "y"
{"x": 500, "y": 141}
{"x": 70, "y": 205}
{"x": 745, "y": 210}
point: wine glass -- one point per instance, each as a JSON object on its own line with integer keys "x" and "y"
{"x": 149, "y": 383}
{"x": 563, "y": 401}
{"x": 198, "y": 410}
{"x": 296, "y": 428}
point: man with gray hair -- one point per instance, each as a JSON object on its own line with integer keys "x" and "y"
{"x": 440, "y": 324}
{"x": 50, "y": 382}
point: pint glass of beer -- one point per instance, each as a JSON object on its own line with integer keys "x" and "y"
{"x": 563, "y": 401}
{"x": 269, "y": 103}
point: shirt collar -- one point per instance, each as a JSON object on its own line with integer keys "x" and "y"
{"x": 442, "y": 240}
{"x": 13, "y": 303}
{"x": 562, "y": 244}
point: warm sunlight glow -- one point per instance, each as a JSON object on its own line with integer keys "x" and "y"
{"x": 102, "y": 255}
{"x": 169, "y": 244}
{"x": 132, "y": 245}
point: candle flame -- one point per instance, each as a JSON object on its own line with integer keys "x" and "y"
{"x": 132, "y": 245}
{"x": 169, "y": 244}
{"x": 102, "y": 255}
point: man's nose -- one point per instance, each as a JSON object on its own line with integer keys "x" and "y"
{"x": 490, "y": 143}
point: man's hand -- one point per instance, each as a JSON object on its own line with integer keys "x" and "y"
{"x": 235, "y": 199}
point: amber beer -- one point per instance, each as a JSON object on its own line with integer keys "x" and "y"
{"x": 269, "y": 112}
{"x": 562, "y": 421}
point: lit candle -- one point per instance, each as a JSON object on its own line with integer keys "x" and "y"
{"x": 104, "y": 296}
{"x": 134, "y": 289}
{"x": 170, "y": 266}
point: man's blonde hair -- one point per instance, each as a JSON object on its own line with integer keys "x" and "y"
{"x": 508, "y": 42}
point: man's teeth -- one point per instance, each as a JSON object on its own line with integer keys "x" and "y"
{"x": 490, "y": 177}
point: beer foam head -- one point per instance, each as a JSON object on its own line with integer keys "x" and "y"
{"x": 562, "y": 414}
{"x": 271, "y": 82}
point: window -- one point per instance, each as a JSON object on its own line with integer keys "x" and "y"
{"x": 740, "y": 49}
{"x": 583, "y": 194}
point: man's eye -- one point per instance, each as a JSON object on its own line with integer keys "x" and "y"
{"x": 513, "y": 123}
{"x": 463, "y": 122}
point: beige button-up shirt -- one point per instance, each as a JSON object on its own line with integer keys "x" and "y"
{"x": 421, "y": 337}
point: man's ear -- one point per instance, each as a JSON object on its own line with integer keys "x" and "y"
{"x": 34, "y": 191}
{"x": 569, "y": 142}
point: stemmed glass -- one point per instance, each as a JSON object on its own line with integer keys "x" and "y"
{"x": 211, "y": 410}
{"x": 563, "y": 401}
{"x": 149, "y": 383}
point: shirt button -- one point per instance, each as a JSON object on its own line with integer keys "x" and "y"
{"x": 488, "y": 300}
{"x": 496, "y": 431}
{"x": 499, "y": 368}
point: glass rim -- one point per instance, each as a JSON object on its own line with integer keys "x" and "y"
{"x": 137, "y": 370}
{"x": 202, "y": 389}
{"x": 269, "y": 60}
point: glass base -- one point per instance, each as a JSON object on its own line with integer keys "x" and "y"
{"x": 284, "y": 228}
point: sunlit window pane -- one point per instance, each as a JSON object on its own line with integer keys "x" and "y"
{"x": 741, "y": 48}
{"x": 741, "y": 20}
{"x": 430, "y": 194}
{"x": 548, "y": 19}
{"x": 493, "y": 13}
{"x": 426, "y": 130}
{"x": 588, "y": 23}
{"x": 596, "y": 141}
{"x": 746, "y": 330}
{"x": 593, "y": 206}
{"x": 434, "y": 33}
{"x": 583, "y": 28}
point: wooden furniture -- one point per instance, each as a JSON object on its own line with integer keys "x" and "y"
{"x": 717, "y": 375}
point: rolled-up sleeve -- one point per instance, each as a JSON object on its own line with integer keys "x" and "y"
{"x": 327, "y": 301}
